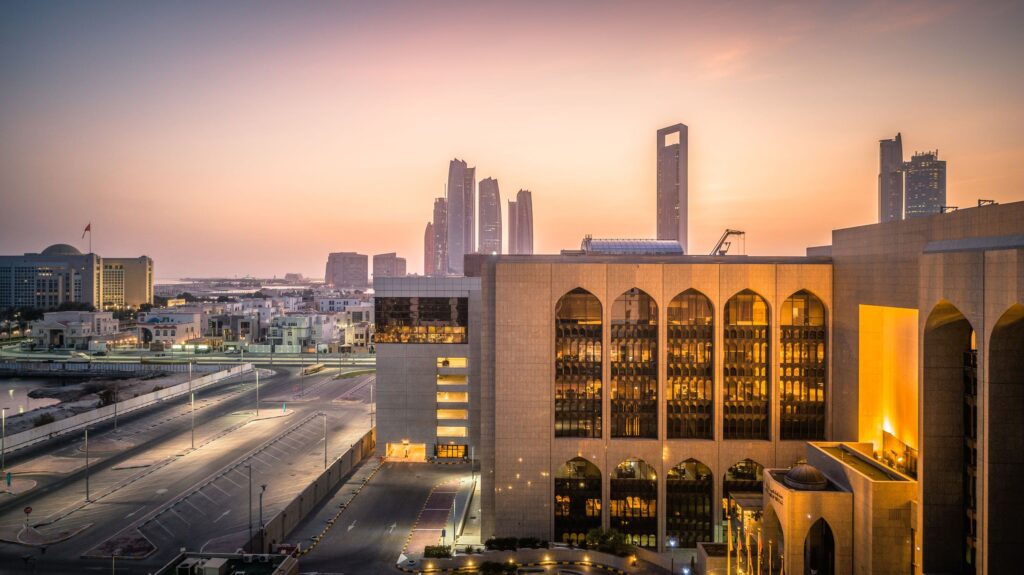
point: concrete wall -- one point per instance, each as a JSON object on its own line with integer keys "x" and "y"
{"x": 100, "y": 414}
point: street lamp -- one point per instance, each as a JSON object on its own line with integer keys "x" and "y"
{"x": 325, "y": 438}
{"x": 3, "y": 441}
{"x": 257, "y": 393}
{"x": 672, "y": 552}
{"x": 113, "y": 560}
{"x": 87, "y": 464}
{"x": 263, "y": 488}
{"x": 250, "y": 507}
{"x": 192, "y": 400}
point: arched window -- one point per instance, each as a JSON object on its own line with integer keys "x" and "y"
{"x": 747, "y": 403}
{"x": 634, "y": 365}
{"x": 577, "y": 500}
{"x": 578, "y": 365}
{"x": 803, "y": 375}
{"x": 746, "y": 476}
{"x": 690, "y": 357}
{"x": 688, "y": 496}
{"x": 633, "y": 503}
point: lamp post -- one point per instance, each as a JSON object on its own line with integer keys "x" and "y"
{"x": 3, "y": 441}
{"x": 192, "y": 401}
{"x": 113, "y": 560}
{"x": 257, "y": 393}
{"x": 263, "y": 488}
{"x": 672, "y": 552}
{"x": 116, "y": 387}
{"x": 250, "y": 506}
{"x": 87, "y": 464}
{"x": 325, "y": 438}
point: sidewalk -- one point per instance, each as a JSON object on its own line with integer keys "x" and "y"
{"x": 467, "y": 509}
{"x": 312, "y": 529}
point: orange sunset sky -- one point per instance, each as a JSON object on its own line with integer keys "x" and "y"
{"x": 235, "y": 138}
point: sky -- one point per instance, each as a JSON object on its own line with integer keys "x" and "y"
{"x": 253, "y": 138}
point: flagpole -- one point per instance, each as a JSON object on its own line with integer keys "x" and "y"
{"x": 728, "y": 549}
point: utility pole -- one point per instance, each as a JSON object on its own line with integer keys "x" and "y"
{"x": 116, "y": 387}
{"x": 3, "y": 442}
{"x": 263, "y": 488}
{"x": 257, "y": 393}
{"x": 192, "y": 400}
{"x": 250, "y": 507}
{"x": 87, "y": 464}
{"x": 325, "y": 438}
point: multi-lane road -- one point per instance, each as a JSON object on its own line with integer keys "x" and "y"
{"x": 151, "y": 492}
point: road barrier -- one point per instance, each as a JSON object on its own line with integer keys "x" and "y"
{"x": 75, "y": 422}
{"x": 101, "y": 367}
{"x": 286, "y": 520}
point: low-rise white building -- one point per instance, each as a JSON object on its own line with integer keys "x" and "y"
{"x": 167, "y": 327}
{"x": 73, "y": 329}
{"x": 294, "y": 332}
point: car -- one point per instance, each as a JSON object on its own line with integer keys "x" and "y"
{"x": 100, "y": 354}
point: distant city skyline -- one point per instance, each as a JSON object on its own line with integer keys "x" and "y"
{"x": 194, "y": 133}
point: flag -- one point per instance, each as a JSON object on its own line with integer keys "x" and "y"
{"x": 88, "y": 228}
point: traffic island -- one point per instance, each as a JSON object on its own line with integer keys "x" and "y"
{"x": 32, "y": 537}
{"x": 18, "y": 486}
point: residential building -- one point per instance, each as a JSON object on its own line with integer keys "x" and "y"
{"x": 924, "y": 184}
{"x": 73, "y": 329}
{"x": 428, "y": 250}
{"x": 61, "y": 274}
{"x": 490, "y": 217}
{"x": 890, "y": 179}
{"x": 295, "y": 332}
{"x": 388, "y": 265}
{"x": 673, "y": 184}
{"x": 520, "y": 224}
{"x": 333, "y": 304}
{"x": 440, "y": 229}
{"x": 461, "y": 219}
{"x": 426, "y": 403}
{"x": 159, "y": 329}
{"x": 236, "y": 327}
{"x": 347, "y": 270}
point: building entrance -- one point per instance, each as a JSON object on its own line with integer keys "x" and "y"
{"x": 404, "y": 451}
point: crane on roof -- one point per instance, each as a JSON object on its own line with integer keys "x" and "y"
{"x": 722, "y": 247}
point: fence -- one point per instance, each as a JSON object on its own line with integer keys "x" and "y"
{"x": 103, "y": 367}
{"x": 75, "y": 422}
{"x": 287, "y": 519}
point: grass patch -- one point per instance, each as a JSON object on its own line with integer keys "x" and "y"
{"x": 352, "y": 374}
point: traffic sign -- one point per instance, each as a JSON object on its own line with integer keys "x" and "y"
{"x": 28, "y": 510}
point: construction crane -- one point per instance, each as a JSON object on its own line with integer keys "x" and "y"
{"x": 722, "y": 247}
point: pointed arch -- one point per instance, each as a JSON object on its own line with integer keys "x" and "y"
{"x": 1006, "y": 435}
{"x": 578, "y": 382}
{"x": 689, "y": 491}
{"x": 577, "y": 500}
{"x": 820, "y": 549}
{"x": 803, "y": 367}
{"x": 633, "y": 502}
{"x": 634, "y": 365}
{"x": 691, "y": 366}
{"x": 747, "y": 385}
{"x": 948, "y": 445}
{"x": 744, "y": 476}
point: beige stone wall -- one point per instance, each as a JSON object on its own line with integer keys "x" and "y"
{"x": 524, "y": 454}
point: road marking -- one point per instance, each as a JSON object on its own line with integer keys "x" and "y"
{"x": 134, "y": 512}
{"x": 351, "y": 526}
{"x": 221, "y": 516}
{"x": 161, "y": 491}
{"x": 392, "y": 528}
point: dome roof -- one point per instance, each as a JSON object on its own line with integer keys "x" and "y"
{"x": 61, "y": 250}
{"x": 805, "y": 477}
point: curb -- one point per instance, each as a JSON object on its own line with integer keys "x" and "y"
{"x": 330, "y": 522}
{"x": 592, "y": 564}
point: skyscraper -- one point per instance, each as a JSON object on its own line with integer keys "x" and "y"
{"x": 461, "y": 193}
{"x": 440, "y": 229}
{"x": 520, "y": 218}
{"x": 347, "y": 270}
{"x": 388, "y": 266}
{"x": 673, "y": 184}
{"x": 890, "y": 179}
{"x": 490, "y": 217}
{"x": 925, "y": 184}
{"x": 428, "y": 250}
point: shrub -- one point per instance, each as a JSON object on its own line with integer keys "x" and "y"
{"x": 529, "y": 543}
{"x": 437, "y": 551}
{"x": 44, "y": 419}
{"x": 496, "y": 568}
{"x": 502, "y": 544}
{"x": 610, "y": 541}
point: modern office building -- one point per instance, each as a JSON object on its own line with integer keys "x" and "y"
{"x": 490, "y": 217}
{"x": 667, "y": 396}
{"x": 427, "y": 403}
{"x": 61, "y": 274}
{"x": 347, "y": 270}
{"x": 461, "y": 232}
{"x": 520, "y": 224}
{"x": 440, "y": 229}
{"x": 673, "y": 184}
{"x": 428, "y": 249}
{"x": 890, "y": 179}
{"x": 388, "y": 265}
{"x": 924, "y": 184}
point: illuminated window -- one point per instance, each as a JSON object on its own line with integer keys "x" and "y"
{"x": 688, "y": 497}
{"x": 457, "y": 362}
{"x": 633, "y": 503}
{"x": 453, "y": 414}
{"x": 634, "y": 365}
{"x": 452, "y": 397}
{"x": 450, "y": 431}
{"x": 449, "y": 451}
{"x": 421, "y": 319}
{"x": 451, "y": 380}
{"x": 577, "y": 498}
{"x": 578, "y": 365}
{"x": 747, "y": 475}
{"x": 803, "y": 367}
{"x": 690, "y": 369}
{"x": 745, "y": 367}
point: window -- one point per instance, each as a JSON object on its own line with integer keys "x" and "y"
{"x": 803, "y": 367}
{"x": 454, "y": 362}
{"x": 634, "y": 365}
{"x": 450, "y": 431}
{"x": 745, "y": 476}
{"x": 421, "y": 319}
{"x": 449, "y": 451}
{"x": 745, "y": 367}
{"x": 578, "y": 365}
{"x": 633, "y": 504}
{"x": 453, "y": 414}
{"x": 443, "y": 380}
{"x": 577, "y": 499}
{"x": 690, "y": 370}
{"x": 688, "y": 497}
{"x": 452, "y": 397}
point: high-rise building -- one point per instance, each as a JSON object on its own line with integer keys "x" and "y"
{"x": 347, "y": 270}
{"x": 388, "y": 265}
{"x": 461, "y": 214}
{"x": 440, "y": 229}
{"x": 673, "y": 185}
{"x": 428, "y": 250}
{"x": 490, "y": 217}
{"x": 61, "y": 274}
{"x": 520, "y": 227}
{"x": 890, "y": 179}
{"x": 925, "y": 184}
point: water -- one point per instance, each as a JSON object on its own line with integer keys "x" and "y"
{"x": 14, "y": 394}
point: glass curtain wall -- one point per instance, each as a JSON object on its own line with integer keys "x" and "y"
{"x": 577, "y": 500}
{"x": 634, "y": 502}
{"x": 803, "y": 367}
{"x": 634, "y": 365}
{"x": 690, "y": 369}
{"x": 578, "y": 365}
{"x": 688, "y": 493}
{"x": 745, "y": 371}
